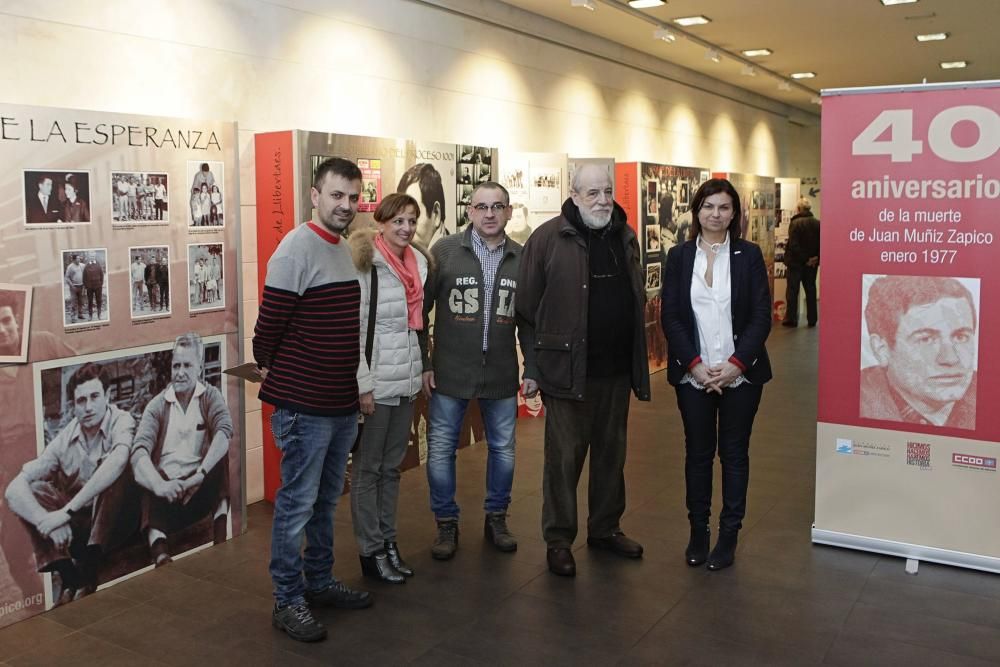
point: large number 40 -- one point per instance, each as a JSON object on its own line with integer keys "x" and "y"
{"x": 901, "y": 146}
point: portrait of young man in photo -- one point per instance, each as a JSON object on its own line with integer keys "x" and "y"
{"x": 923, "y": 333}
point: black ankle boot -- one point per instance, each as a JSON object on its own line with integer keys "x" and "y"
{"x": 697, "y": 549}
{"x": 392, "y": 550}
{"x": 724, "y": 553}
{"x": 377, "y": 566}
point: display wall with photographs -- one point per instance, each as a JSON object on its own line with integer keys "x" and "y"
{"x": 95, "y": 351}
{"x": 758, "y": 224}
{"x": 439, "y": 176}
{"x": 657, "y": 200}
{"x": 538, "y": 184}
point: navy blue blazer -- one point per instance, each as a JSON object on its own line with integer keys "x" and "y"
{"x": 751, "y": 310}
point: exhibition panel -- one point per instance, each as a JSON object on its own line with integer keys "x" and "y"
{"x": 119, "y": 237}
{"x": 657, "y": 199}
{"x": 907, "y": 440}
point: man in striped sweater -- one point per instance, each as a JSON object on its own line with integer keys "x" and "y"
{"x": 306, "y": 345}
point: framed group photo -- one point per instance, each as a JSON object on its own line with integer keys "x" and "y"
{"x": 206, "y": 194}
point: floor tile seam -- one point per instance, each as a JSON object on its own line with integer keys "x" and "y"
{"x": 914, "y": 580}
{"x": 551, "y": 601}
{"x": 83, "y": 633}
{"x": 923, "y": 647}
{"x": 991, "y": 628}
{"x": 72, "y": 631}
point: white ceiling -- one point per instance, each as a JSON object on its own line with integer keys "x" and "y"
{"x": 846, "y": 43}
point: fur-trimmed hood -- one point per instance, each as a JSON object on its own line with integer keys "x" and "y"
{"x": 362, "y": 244}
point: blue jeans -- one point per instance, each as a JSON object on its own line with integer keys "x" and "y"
{"x": 314, "y": 459}
{"x": 443, "y": 425}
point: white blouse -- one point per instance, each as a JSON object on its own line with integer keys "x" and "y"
{"x": 712, "y": 305}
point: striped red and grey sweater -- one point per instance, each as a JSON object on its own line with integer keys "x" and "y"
{"x": 307, "y": 330}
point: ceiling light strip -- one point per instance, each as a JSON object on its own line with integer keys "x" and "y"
{"x": 728, "y": 55}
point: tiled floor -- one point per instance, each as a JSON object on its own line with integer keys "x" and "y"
{"x": 784, "y": 602}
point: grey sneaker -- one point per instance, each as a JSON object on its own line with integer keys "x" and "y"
{"x": 495, "y": 530}
{"x": 298, "y": 623}
{"x": 339, "y": 596}
{"x": 446, "y": 543}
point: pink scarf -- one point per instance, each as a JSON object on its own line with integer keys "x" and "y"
{"x": 409, "y": 273}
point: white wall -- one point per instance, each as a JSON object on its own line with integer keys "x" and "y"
{"x": 390, "y": 68}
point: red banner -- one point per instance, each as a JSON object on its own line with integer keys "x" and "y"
{"x": 275, "y": 167}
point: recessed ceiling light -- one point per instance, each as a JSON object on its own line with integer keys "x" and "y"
{"x": 932, "y": 37}
{"x": 692, "y": 20}
{"x": 753, "y": 53}
{"x": 955, "y": 64}
{"x": 664, "y": 35}
{"x": 802, "y": 75}
{"x": 896, "y": 2}
{"x": 586, "y": 4}
{"x": 645, "y": 4}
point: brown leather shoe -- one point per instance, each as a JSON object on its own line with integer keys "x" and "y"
{"x": 617, "y": 543}
{"x": 561, "y": 561}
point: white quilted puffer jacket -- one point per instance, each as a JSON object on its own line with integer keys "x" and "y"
{"x": 396, "y": 366}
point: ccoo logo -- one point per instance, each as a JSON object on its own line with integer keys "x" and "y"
{"x": 973, "y": 461}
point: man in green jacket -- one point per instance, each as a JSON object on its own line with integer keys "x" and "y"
{"x": 474, "y": 356}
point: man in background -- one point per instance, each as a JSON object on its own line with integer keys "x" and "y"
{"x": 802, "y": 264}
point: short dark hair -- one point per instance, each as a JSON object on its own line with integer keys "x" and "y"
{"x": 890, "y": 297}
{"x": 491, "y": 185}
{"x": 393, "y": 204}
{"x": 86, "y": 373}
{"x": 337, "y": 166}
{"x": 431, "y": 187}
{"x": 10, "y": 299}
{"x": 714, "y": 186}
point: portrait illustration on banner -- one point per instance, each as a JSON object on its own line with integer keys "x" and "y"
{"x": 920, "y": 350}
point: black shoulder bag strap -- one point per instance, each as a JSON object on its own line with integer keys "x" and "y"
{"x": 372, "y": 307}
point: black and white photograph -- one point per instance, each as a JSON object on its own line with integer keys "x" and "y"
{"x": 139, "y": 197}
{"x": 15, "y": 316}
{"x": 56, "y": 198}
{"x": 159, "y": 491}
{"x": 85, "y": 287}
{"x": 149, "y": 281}
{"x": 206, "y": 289}
{"x": 652, "y": 238}
{"x": 919, "y": 350}
{"x": 481, "y": 172}
{"x": 206, "y": 189}
{"x": 464, "y": 195}
{"x": 546, "y": 189}
{"x": 683, "y": 193}
{"x": 653, "y": 276}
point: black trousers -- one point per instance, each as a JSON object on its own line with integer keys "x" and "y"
{"x": 718, "y": 422}
{"x": 92, "y": 296}
{"x": 806, "y": 276}
{"x": 598, "y": 423}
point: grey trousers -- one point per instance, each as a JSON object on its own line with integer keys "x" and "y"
{"x": 571, "y": 427}
{"x": 375, "y": 474}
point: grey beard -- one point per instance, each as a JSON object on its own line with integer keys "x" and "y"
{"x": 594, "y": 222}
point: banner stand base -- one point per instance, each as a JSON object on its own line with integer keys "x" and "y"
{"x": 911, "y": 552}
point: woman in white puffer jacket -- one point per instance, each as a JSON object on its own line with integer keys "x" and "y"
{"x": 389, "y": 384}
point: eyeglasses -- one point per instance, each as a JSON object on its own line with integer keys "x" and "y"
{"x": 496, "y": 208}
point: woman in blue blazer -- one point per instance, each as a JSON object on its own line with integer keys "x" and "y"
{"x": 716, "y": 315}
